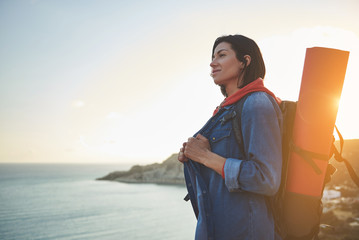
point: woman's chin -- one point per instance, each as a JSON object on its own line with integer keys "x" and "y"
{"x": 217, "y": 82}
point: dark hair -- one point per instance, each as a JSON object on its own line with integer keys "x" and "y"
{"x": 242, "y": 46}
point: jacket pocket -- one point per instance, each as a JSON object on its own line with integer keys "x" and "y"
{"x": 219, "y": 134}
{"x": 219, "y": 141}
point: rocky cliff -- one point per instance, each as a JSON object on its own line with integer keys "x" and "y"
{"x": 169, "y": 171}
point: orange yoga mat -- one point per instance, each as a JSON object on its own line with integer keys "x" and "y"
{"x": 317, "y": 107}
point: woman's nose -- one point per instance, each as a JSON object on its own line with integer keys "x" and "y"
{"x": 213, "y": 63}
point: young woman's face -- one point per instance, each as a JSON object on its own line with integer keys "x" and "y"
{"x": 225, "y": 65}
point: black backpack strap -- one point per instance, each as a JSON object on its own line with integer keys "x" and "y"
{"x": 237, "y": 122}
{"x": 338, "y": 156}
{"x": 186, "y": 198}
{"x": 308, "y": 156}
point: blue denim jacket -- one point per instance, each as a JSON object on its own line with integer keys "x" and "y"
{"x": 235, "y": 207}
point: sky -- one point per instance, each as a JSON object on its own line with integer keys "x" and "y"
{"x": 127, "y": 81}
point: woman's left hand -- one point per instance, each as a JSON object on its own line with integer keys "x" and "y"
{"x": 197, "y": 148}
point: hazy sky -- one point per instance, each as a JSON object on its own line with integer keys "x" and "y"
{"x": 128, "y": 81}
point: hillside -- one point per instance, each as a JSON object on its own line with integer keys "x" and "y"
{"x": 169, "y": 171}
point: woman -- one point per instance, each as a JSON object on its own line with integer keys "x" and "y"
{"x": 228, "y": 183}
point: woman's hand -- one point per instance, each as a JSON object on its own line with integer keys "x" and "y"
{"x": 197, "y": 148}
{"x": 194, "y": 149}
{"x": 181, "y": 157}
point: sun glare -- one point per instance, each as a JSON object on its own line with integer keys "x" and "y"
{"x": 284, "y": 57}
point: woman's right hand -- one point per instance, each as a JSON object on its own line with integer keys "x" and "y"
{"x": 181, "y": 157}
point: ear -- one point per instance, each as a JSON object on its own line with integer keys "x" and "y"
{"x": 248, "y": 60}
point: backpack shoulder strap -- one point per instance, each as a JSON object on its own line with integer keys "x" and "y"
{"x": 237, "y": 122}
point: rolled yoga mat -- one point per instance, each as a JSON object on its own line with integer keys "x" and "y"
{"x": 317, "y": 107}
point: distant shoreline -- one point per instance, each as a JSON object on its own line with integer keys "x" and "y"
{"x": 169, "y": 172}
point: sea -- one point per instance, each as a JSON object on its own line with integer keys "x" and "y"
{"x": 65, "y": 202}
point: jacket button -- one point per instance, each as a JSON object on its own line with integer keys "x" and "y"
{"x": 213, "y": 138}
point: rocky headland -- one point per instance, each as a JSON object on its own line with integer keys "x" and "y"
{"x": 169, "y": 171}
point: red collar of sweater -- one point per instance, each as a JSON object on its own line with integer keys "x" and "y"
{"x": 255, "y": 86}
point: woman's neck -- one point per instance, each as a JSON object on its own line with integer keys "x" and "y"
{"x": 233, "y": 87}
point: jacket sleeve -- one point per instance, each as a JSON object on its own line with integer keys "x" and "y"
{"x": 260, "y": 172}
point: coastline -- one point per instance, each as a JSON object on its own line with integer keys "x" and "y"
{"x": 169, "y": 172}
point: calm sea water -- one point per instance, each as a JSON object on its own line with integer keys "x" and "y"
{"x": 65, "y": 202}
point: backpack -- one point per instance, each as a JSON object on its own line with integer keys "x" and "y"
{"x": 296, "y": 216}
